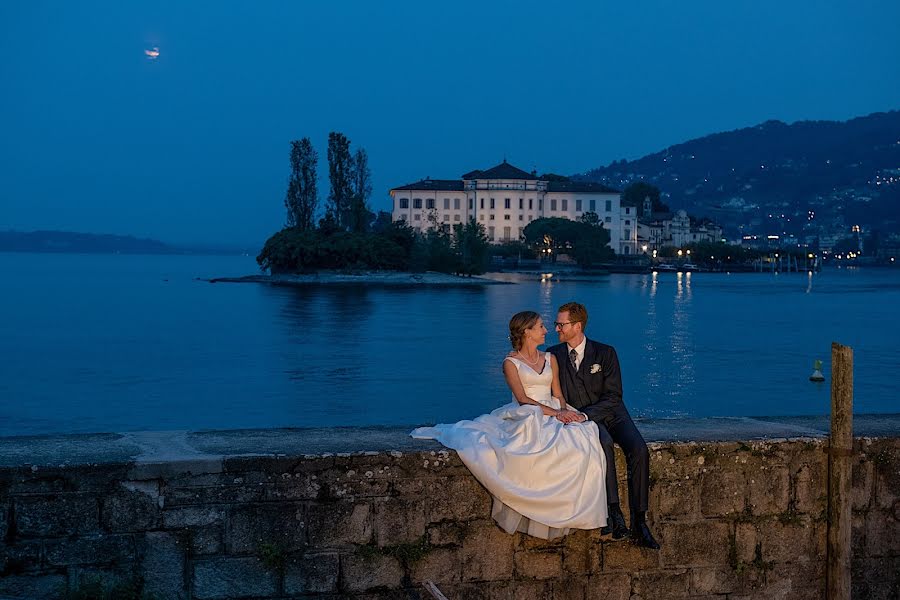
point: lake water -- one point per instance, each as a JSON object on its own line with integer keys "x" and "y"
{"x": 92, "y": 343}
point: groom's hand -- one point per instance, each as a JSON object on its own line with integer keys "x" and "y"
{"x": 569, "y": 416}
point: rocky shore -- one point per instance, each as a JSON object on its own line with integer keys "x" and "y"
{"x": 387, "y": 278}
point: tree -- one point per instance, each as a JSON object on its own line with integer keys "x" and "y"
{"x": 587, "y": 240}
{"x": 472, "y": 247}
{"x": 340, "y": 176}
{"x": 359, "y": 215}
{"x": 636, "y": 193}
{"x": 302, "y": 197}
{"x": 553, "y": 177}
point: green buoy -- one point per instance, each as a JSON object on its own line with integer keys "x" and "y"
{"x": 817, "y": 372}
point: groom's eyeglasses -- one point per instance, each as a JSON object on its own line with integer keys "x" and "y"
{"x": 559, "y": 325}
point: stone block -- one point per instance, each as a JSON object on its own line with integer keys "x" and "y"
{"x": 723, "y": 492}
{"x": 518, "y": 590}
{"x": 574, "y": 588}
{"x": 312, "y": 573}
{"x": 811, "y": 486}
{"x": 624, "y": 556}
{"x": 398, "y": 521}
{"x": 21, "y": 557}
{"x": 445, "y": 534}
{"x": 538, "y": 565}
{"x": 206, "y": 540}
{"x": 886, "y": 459}
{"x": 90, "y": 550}
{"x": 487, "y": 553}
{"x": 797, "y": 580}
{"x": 882, "y": 535}
{"x": 230, "y": 577}
{"x": 374, "y": 570}
{"x": 33, "y": 586}
{"x": 862, "y": 490}
{"x": 675, "y": 498}
{"x": 57, "y": 515}
{"x": 161, "y": 557}
{"x": 193, "y": 516}
{"x": 339, "y": 523}
{"x": 769, "y": 491}
{"x": 694, "y": 544}
{"x": 581, "y": 553}
{"x": 858, "y": 534}
{"x": 296, "y": 486}
{"x": 219, "y": 494}
{"x": 173, "y": 469}
{"x": 662, "y": 584}
{"x": 134, "y": 506}
{"x": 798, "y": 541}
{"x": 459, "y": 499}
{"x": 440, "y": 565}
{"x": 726, "y": 580}
{"x": 251, "y": 526}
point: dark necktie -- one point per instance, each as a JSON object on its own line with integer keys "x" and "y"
{"x": 573, "y": 357}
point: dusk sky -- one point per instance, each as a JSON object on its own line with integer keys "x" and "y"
{"x": 192, "y": 145}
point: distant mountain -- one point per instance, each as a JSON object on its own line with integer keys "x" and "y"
{"x": 809, "y": 177}
{"x": 66, "y": 241}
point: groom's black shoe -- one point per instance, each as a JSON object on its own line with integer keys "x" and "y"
{"x": 641, "y": 536}
{"x": 615, "y": 523}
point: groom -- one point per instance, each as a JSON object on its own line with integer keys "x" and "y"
{"x": 591, "y": 382}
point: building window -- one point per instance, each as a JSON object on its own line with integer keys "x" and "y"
{"x": 609, "y": 206}
{"x": 530, "y": 203}
{"x": 482, "y": 204}
{"x": 417, "y": 217}
{"x": 593, "y": 206}
{"x": 506, "y": 204}
{"x": 520, "y": 232}
{"x": 492, "y": 217}
{"x": 456, "y": 217}
{"x": 521, "y": 203}
{"x": 506, "y": 217}
{"x": 565, "y": 204}
{"x": 417, "y": 203}
{"x": 627, "y": 210}
{"x": 506, "y": 233}
{"x": 553, "y": 205}
{"x": 446, "y": 217}
{"x": 578, "y": 206}
{"x": 492, "y": 204}
{"x": 520, "y": 217}
{"x": 446, "y": 203}
{"x": 627, "y": 233}
{"x": 608, "y": 219}
{"x": 482, "y": 217}
{"x": 402, "y": 217}
{"x": 456, "y": 203}
{"x": 404, "y": 202}
{"x": 627, "y": 250}
{"x": 429, "y": 203}
{"x": 627, "y": 222}
{"x": 541, "y": 204}
{"x": 530, "y": 218}
{"x": 491, "y": 232}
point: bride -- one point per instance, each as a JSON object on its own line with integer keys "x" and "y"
{"x": 540, "y": 460}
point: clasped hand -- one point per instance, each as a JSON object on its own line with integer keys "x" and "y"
{"x": 570, "y": 416}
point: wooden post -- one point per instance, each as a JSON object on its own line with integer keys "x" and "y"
{"x": 839, "y": 466}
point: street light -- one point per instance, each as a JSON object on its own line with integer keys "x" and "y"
{"x": 679, "y": 253}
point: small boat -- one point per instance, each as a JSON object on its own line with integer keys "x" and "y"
{"x": 690, "y": 267}
{"x": 665, "y": 267}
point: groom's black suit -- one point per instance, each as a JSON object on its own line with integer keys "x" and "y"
{"x": 596, "y": 390}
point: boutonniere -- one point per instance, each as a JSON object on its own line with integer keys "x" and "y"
{"x": 595, "y": 368}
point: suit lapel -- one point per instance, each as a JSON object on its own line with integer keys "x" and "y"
{"x": 586, "y": 359}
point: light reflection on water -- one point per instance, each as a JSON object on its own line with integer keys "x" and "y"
{"x": 101, "y": 343}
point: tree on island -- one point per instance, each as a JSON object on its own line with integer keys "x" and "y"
{"x": 340, "y": 176}
{"x": 586, "y": 240}
{"x": 302, "y": 197}
{"x": 359, "y": 215}
{"x": 635, "y": 194}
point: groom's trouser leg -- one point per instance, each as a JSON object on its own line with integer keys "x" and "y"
{"x": 623, "y": 431}
{"x": 612, "y": 485}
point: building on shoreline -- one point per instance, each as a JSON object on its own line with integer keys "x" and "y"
{"x": 656, "y": 229}
{"x": 505, "y": 199}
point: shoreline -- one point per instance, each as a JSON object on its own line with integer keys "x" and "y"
{"x": 387, "y": 278}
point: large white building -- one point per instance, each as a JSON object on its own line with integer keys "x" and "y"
{"x": 505, "y": 199}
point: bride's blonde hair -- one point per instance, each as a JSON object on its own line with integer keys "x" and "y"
{"x": 518, "y": 324}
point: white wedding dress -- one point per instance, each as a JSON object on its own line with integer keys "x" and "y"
{"x": 546, "y": 477}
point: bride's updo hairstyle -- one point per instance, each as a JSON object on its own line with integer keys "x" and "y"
{"x": 518, "y": 324}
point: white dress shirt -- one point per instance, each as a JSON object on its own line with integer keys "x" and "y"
{"x": 579, "y": 350}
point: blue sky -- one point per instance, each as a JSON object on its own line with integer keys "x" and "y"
{"x": 193, "y": 146}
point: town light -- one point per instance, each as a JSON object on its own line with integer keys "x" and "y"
{"x": 679, "y": 253}
{"x": 688, "y": 252}
{"x": 644, "y": 247}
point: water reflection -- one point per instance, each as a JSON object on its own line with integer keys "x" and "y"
{"x": 682, "y": 342}
{"x": 651, "y": 363}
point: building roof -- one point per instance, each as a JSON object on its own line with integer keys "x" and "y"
{"x": 502, "y": 171}
{"x": 428, "y": 184}
{"x": 580, "y": 186}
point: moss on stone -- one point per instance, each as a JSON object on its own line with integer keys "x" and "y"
{"x": 406, "y": 553}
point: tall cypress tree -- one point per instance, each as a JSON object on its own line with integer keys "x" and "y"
{"x": 360, "y": 215}
{"x": 302, "y": 194}
{"x": 340, "y": 175}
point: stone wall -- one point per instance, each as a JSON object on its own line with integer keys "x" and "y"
{"x": 735, "y": 520}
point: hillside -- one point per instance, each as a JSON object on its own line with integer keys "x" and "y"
{"x": 822, "y": 176}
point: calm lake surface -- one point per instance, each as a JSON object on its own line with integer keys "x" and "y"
{"x": 94, "y": 343}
